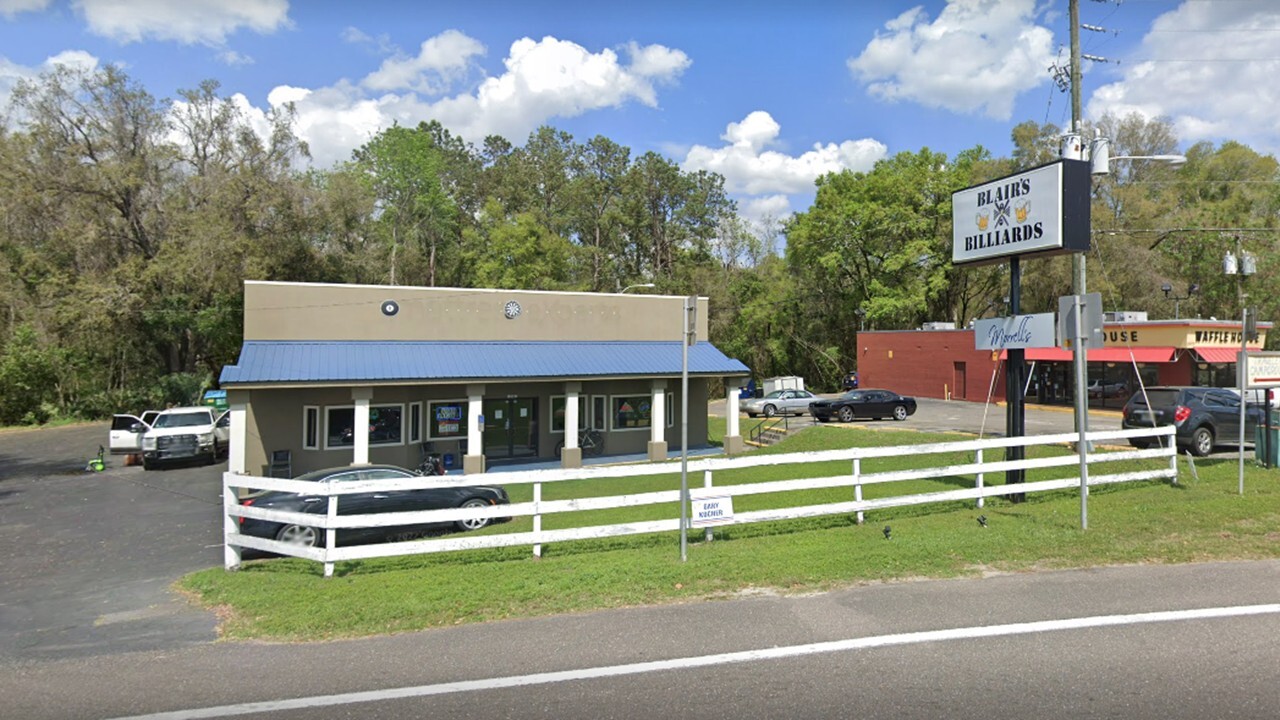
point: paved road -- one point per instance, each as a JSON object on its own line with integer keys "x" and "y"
{"x": 850, "y": 653}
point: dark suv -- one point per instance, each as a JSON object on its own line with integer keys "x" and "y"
{"x": 1203, "y": 416}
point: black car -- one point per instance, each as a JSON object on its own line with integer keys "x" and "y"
{"x": 864, "y": 404}
{"x": 383, "y": 501}
{"x": 1202, "y": 416}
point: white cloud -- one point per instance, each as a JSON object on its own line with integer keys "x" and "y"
{"x": 191, "y": 21}
{"x": 12, "y": 73}
{"x": 1221, "y": 83}
{"x": 751, "y": 169}
{"x": 9, "y": 9}
{"x": 234, "y": 59}
{"x": 976, "y": 57}
{"x": 544, "y": 79}
{"x": 440, "y": 61}
{"x": 772, "y": 207}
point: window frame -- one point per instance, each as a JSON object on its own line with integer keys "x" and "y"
{"x": 463, "y": 422}
{"x": 307, "y": 412}
{"x": 329, "y": 408}
{"x": 613, "y": 414}
{"x": 415, "y": 422}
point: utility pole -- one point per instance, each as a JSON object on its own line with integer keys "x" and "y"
{"x": 1079, "y": 354}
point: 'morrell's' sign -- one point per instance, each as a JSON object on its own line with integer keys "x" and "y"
{"x": 1044, "y": 211}
{"x": 1018, "y": 331}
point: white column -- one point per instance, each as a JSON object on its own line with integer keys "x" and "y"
{"x": 475, "y": 421}
{"x": 239, "y": 434}
{"x": 731, "y": 411}
{"x": 571, "y": 418}
{"x": 360, "y": 425}
{"x": 658, "y": 415}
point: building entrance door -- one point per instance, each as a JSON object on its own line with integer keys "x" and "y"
{"x": 510, "y": 428}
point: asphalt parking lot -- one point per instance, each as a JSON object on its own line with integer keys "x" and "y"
{"x": 90, "y": 557}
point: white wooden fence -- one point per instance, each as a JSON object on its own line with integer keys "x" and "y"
{"x": 1163, "y": 452}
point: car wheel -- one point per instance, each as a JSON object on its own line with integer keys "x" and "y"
{"x": 215, "y": 453}
{"x": 846, "y": 414}
{"x": 299, "y": 535}
{"x": 751, "y": 415}
{"x": 1201, "y": 441}
{"x": 770, "y": 411}
{"x": 148, "y": 465}
{"x": 899, "y": 412}
{"x": 473, "y": 523}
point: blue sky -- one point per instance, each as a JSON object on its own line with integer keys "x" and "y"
{"x": 768, "y": 94}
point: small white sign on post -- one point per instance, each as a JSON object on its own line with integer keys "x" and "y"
{"x": 1262, "y": 370}
{"x": 1017, "y": 331}
{"x": 712, "y": 511}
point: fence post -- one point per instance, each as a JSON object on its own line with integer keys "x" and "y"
{"x": 857, "y": 486}
{"x": 1173, "y": 459}
{"x": 706, "y": 483}
{"x": 981, "y": 476}
{"x": 230, "y": 525}
{"x": 537, "y": 517}
{"x": 330, "y": 534}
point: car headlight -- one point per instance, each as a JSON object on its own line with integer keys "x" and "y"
{"x": 206, "y": 438}
{"x": 148, "y": 443}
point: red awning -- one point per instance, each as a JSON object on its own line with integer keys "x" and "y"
{"x": 1217, "y": 354}
{"x": 1106, "y": 354}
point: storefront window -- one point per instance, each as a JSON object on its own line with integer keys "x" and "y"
{"x": 448, "y": 419}
{"x": 632, "y": 412}
{"x": 385, "y": 426}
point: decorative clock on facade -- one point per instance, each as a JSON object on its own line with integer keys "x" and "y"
{"x": 511, "y": 310}
{"x": 390, "y": 308}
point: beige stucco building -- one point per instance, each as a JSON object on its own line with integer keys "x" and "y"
{"x": 480, "y": 376}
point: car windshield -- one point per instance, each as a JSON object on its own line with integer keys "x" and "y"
{"x": 189, "y": 419}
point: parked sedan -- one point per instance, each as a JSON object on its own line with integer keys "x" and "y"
{"x": 382, "y": 501}
{"x": 864, "y": 404}
{"x": 778, "y": 402}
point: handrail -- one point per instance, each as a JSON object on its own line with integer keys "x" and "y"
{"x": 760, "y": 429}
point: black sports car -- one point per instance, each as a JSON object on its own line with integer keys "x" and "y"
{"x": 864, "y": 404}
{"x": 437, "y": 498}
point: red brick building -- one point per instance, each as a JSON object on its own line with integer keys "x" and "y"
{"x": 944, "y": 364}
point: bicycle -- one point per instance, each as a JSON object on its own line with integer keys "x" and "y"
{"x": 591, "y": 442}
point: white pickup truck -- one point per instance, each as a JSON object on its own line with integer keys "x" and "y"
{"x": 185, "y": 433}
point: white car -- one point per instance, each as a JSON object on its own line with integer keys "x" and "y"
{"x": 185, "y": 433}
{"x": 127, "y": 430}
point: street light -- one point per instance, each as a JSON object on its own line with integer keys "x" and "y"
{"x": 1167, "y": 288}
{"x": 638, "y": 285}
{"x": 1100, "y": 156}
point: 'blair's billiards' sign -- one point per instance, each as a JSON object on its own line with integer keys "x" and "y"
{"x": 1038, "y": 212}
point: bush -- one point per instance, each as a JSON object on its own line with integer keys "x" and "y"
{"x": 27, "y": 379}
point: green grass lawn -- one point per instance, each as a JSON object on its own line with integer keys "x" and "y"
{"x": 1196, "y": 519}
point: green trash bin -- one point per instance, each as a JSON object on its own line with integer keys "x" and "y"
{"x": 1260, "y": 450}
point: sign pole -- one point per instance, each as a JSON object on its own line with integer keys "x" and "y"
{"x": 1082, "y": 446}
{"x": 1241, "y": 364}
{"x": 688, "y": 337}
{"x": 1015, "y": 420}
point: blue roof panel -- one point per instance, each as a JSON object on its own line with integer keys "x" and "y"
{"x": 356, "y": 361}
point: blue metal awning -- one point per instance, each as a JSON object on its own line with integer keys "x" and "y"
{"x": 263, "y": 362}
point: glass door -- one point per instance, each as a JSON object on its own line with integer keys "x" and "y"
{"x": 510, "y": 428}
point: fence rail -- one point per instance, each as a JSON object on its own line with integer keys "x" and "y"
{"x": 1164, "y": 451}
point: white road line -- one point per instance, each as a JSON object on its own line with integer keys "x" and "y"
{"x": 708, "y": 660}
